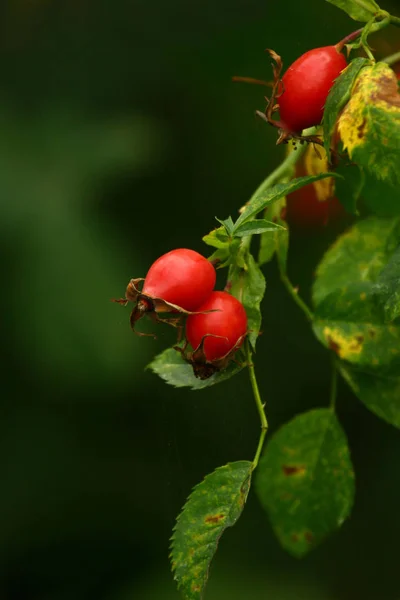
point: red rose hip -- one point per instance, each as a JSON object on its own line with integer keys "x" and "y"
{"x": 306, "y": 85}
{"x": 222, "y": 331}
{"x": 182, "y": 277}
{"x": 177, "y": 282}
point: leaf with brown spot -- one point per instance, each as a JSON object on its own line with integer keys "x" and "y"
{"x": 356, "y": 288}
{"x": 292, "y": 470}
{"x": 212, "y": 519}
{"x": 369, "y": 125}
{"x": 308, "y": 504}
{"x": 338, "y": 96}
{"x": 213, "y": 506}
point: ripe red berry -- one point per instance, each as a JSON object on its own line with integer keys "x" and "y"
{"x": 182, "y": 277}
{"x": 306, "y": 85}
{"x": 228, "y": 324}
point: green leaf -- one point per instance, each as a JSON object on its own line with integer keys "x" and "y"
{"x": 217, "y": 238}
{"x": 379, "y": 393}
{"x": 350, "y": 309}
{"x": 172, "y": 368}
{"x": 214, "y": 505}
{"x": 380, "y": 197}
{"x": 350, "y": 188}
{"x": 278, "y": 242}
{"x": 369, "y": 125}
{"x": 227, "y": 248}
{"x": 387, "y": 288}
{"x": 305, "y": 480}
{"x": 359, "y": 10}
{"x": 338, "y": 96}
{"x": 227, "y": 224}
{"x": 358, "y": 255}
{"x": 348, "y": 322}
{"x": 274, "y": 193}
{"x": 257, "y": 226}
{"x": 248, "y": 285}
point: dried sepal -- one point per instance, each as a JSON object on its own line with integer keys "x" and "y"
{"x": 203, "y": 368}
{"x": 145, "y": 304}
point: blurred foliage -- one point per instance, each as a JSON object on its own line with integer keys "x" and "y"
{"x": 122, "y": 136}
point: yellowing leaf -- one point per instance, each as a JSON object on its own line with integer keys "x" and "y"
{"x": 370, "y": 123}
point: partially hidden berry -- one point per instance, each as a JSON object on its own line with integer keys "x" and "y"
{"x": 216, "y": 332}
{"x": 314, "y": 206}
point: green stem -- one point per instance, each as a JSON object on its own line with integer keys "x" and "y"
{"x": 349, "y": 38}
{"x": 293, "y": 292}
{"x": 259, "y": 404}
{"x": 392, "y": 59}
{"x": 395, "y": 20}
{"x": 378, "y": 25}
{"x": 333, "y": 393}
{"x": 285, "y": 168}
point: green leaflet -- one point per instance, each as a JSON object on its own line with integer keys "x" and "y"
{"x": 278, "y": 242}
{"x": 359, "y": 10}
{"x": 248, "y": 285}
{"x": 174, "y": 370}
{"x": 369, "y": 125}
{"x": 358, "y": 255}
{"x": 226, "y": 247}
{"x": 380, "y": 197}
{"x": 258, "y": 226}
{"x": 305, "y": 480}
{"x": 387, "y": 287}
{"x": 214, "y": 505}
{"x": 353, "y": 284}
{"x": 351, "y": 187}
{"x": 274, "y": 193}
{"x": 338, "y": 96}
{"x": 379, "y": 393}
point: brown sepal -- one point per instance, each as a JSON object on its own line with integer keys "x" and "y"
{"x": 152, "y": 306}
{"x": 202, "y": 368}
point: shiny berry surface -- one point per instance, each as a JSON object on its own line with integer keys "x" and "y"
{"x": 306, "y": 86}
{"x": 182, "y": 277}
{"x": 229, "y": 323}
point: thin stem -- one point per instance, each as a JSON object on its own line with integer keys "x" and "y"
{"x": 333, "y": 393}
{"x": 252, "y": 80}
{"x": 392, "y": 59}
{"x": 395, "y": 20}
{"x": 259, "y": 404}
{"x": 293, "y": 292}
{"x": 378, "y": 25}
{"x": 286, "y": 167}
{"x": 349, "y": 38}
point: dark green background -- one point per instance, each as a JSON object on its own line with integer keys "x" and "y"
{"x": 121, "y": 137}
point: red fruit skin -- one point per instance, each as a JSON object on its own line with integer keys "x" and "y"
{"x": 306, "y": 85}
{"x": 182, "y": 277}
{"x": 230, "y": 322}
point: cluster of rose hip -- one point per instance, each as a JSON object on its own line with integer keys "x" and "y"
{"x": 180, "y": 286}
